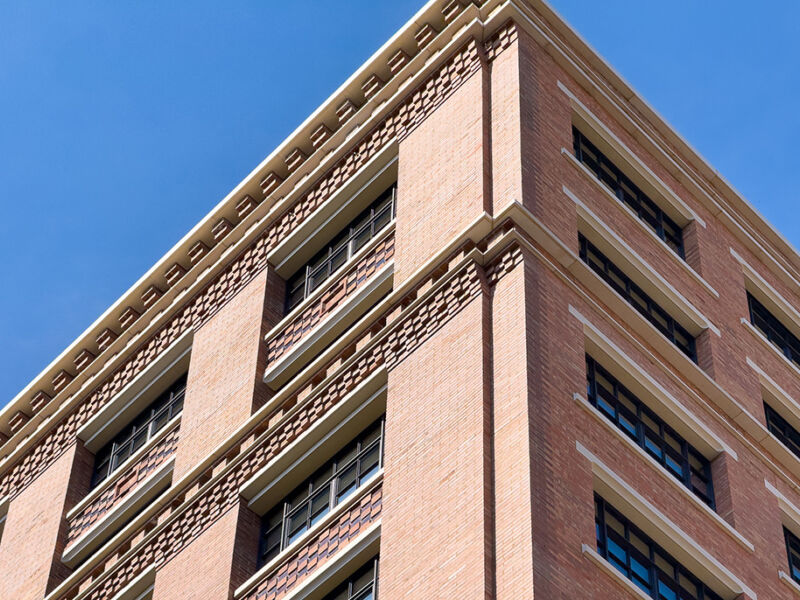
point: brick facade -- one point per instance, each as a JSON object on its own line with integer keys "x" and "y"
{"x": 487, "y": 484}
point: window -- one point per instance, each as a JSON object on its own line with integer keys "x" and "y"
{"x": 643, "y": 561}
{"x": 627, "y": 192}
{"x": 793, "y": 552}
{"x": 649, "y": 431}
{"x": 135, "y": 435}
{"x": 775, "y": 331}
{"x": 341, "y": 249}
{"x": 337, "y": 479}
{"x": 636, "y": 297}
{"x": 362, "y": 585}
{"x": 781, "y": 429}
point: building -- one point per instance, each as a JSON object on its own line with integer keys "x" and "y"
{"x": 484, "y": 326}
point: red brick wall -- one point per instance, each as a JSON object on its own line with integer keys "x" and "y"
{"x": 513, "y": 484}
{"x": 219, "y": 560}
{"x": 35, "y": 530}
{"x": 436, "y": 514}
{"x": 438, "y": 200}
{"x": 225, "y": 386}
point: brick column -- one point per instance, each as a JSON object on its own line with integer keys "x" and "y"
{"x": 512, "y": 325}
{"x": 227, "y": 365}
{"x": 442, "y": 175}
{"x": 35, "y": 532}
{"x": 215, "y": 563}
{"x": 436, "y": 519}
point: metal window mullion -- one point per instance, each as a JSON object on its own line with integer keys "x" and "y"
{"x": 380, "y": 444}
{"x": 284, "y": 529}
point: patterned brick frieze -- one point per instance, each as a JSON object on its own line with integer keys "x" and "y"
{"x": 123, "y": 485}
{"x": 330, "y": 299}
{"x": 194, "y": 512}
{"x": 314, "y": 554}
{"x": 413, "y": 110}
{"x": 397, "y": 125}
{"x": 204, "y": 305}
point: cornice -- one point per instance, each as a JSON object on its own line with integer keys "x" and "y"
{"x": 261, "y": 198}
{"x": 267, "y": 191}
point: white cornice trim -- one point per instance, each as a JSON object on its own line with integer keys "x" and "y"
{"x": 639, "y": 270}
{"x": 658, "y": 468}
{"x": 625, "y": 210}
{"x": 662, "y": 529}
{"x": 641, "y": 383}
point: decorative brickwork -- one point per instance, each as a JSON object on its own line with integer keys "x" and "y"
{"x": 124, "y": 485}
{"x": 318, "y": 550}
{"x": 501, "y": 40}
{"x": 252, "y": 261}
{"x": 330, "y": 299}
{"x": 193, "y": 511}
{"x": 397, "y": 125}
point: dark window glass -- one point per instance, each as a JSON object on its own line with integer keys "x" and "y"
{"x": 316, "y": 496}
{"x": 641, "y": 560}
{"x": 627, "y": 192}
{"x": 775, "y": 331}
{"x": 343, "y": 246}
{"x": 361, "y": 585}
{"x": 649, "y": 431}
{"x": 793, "y": 553}
{"x": 634, "y": 295}
{"x": 144, "y": 426}
{"x": 780, "y": 428}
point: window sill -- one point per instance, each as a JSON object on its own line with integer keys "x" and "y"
{"x": 122, "y": 469}
{"x": 662, "y": 530}
{"x": 609, "y": 570}
{"x": 685, "y": 267}
{"x": 330, "y": 327}
{"x": 137, "y": 394}
{"x": 140, "y": 588}
{"x": 343, "y": 205}
{"x": 370, "y": 485}
{"x": 639, "y": 381}
{"x": 640, "y": 272}
{"x": 322, "y": 581}
{"x": 772, "y": 347}
{"x": 360, "y": 407}
{"x": 719, "y": 521}
{"x": 330, "y": 282}
{"x": 635, "y": 168}
{"x": 93, "y": 538}
{"x": 787, "y": 580}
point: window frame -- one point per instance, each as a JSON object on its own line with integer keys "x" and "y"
{"x": 345, "y": 243}
{"x": 268, "y": 550}
{"x": 792, "y": 541}
{"x": 630, "y": 292}
{"x": 649, "y": 564}
{"x": 372, "y": 564}
{"x": 771, "y": 327}
{"x": 640, "y": 436}
{"x": 778, "y": 425}
{"x": 160, "y": 412}
{"x": 637, "y": 201}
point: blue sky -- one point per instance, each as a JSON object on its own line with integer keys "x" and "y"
{"x": 114, "y": 112}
